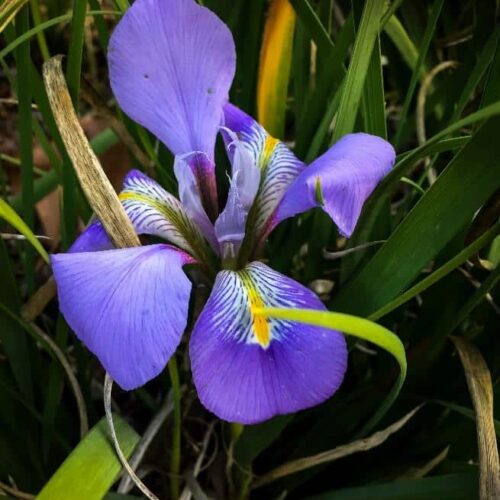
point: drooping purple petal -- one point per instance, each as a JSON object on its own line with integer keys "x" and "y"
{"x": 247, "y": 368}
{"x": 278, "y": 165}
{"x": 171, "y": 64}
{"x": 128, "y": 306}
{"x": 340, "y": 180}
{"x": 245, "y": 178}
{"x": 152, "y": 210}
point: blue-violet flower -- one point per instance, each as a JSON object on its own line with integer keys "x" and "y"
{"x": 171, "y": 65}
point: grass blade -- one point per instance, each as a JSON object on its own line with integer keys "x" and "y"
{"x": 12, "y": 336}
{"x": 358, "y": 68}
{"x": 461, "y": 486}
{"x": 483, "y": 61}
{"x": 396, "y": 32}
{"x": 313, "y": 25}
{"x": 9, "y": 215}
{"x": 438, "y": 274}
{"x": 373, "y": 103}
{"x": 96, "y": 457}
{"x": 422, "y": 234}
{"x": 23, "y": 60}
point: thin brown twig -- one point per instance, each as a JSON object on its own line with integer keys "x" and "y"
{"x": 108, "y": 388}
{"x": 39, "y": 300}
{"x": 15, "y": 492}
{"x": 420, "y": 110}
{"x": 364, "y": 444}
{"x": 80, "y": 401}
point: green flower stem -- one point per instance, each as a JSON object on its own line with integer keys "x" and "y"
{"x": 175, "y": 459}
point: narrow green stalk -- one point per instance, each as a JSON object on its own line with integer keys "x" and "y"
{"x": 37, "y": 20}
{"x": 25, "y": 138}
{"x": 73, "y": 74}
{"x": 243, "y": 478}
{"x": 122, "y": 5}
{"x": 175, "y": 459}
{"x": 75, "y": 53}
{"x": 356, "y": 74}
{"x": 236, "y": 430}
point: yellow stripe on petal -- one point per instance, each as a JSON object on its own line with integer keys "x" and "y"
{"x": 260, "y": 324}
{"x": 274, "y": 68}
{"x": 270, "y": 144}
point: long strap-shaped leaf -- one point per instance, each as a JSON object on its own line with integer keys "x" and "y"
{"x": 358, "y": 327}
{"x": 424, "y": 232}
{"x": 358, "y": 68}
{"x": 92, "y": 467}
{"x": 274, "y": 68}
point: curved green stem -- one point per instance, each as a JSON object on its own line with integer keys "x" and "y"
{"x": 175, "y": 459}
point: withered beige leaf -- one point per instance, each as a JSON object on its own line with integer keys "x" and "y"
{"x": 481, "y": 391}
{"x": 357, "y": 446}
{"x": 96, "y": 186}
{"x": 424, "y": 469}
{"x": 8, "y": 10}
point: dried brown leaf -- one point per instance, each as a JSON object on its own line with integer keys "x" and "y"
{"x": 96, "y": 186}
{"x": 481, "y": 391}
{"x": 365, "y": 444}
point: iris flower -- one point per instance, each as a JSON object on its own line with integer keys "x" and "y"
{"x": 171, "y": 65}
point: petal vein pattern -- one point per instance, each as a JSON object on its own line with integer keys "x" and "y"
{"x": 129, "y": 306}
{"x": 339, "y": 181}
{"x": 247, "y": 368}
{"x": 171, "y": 65}
{"x": 245, "y": 179}
{"x": 279, "y": 166}
{"x": 152, "y": 210}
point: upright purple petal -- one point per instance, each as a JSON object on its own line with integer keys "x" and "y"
{"x": 245, "y": 178}
{"x": 152, "y": 210}
{"x": 190, "y": 195}
{"x": 128, "y": 306}
{"x": 171, "y": 65}
{"x": 247, "y": 368}
{"x": 340, "y": 181}
{"x": 278, "y": 165}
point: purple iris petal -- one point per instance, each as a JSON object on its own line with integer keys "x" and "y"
{"x": 152, "y": 210}
{"x": 279, "y": 166}
{"x": 189, "y": 193}
{"x": 171, "y": 64}
{"x": 245, "y": 178}
{"x": 247, "y": 368}
{"x": 128, "y": 306}
{"x": 340, "y": 180}
{"x": 93, "y": 239}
